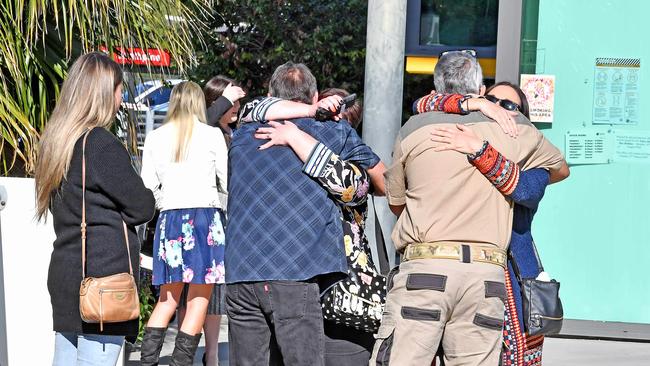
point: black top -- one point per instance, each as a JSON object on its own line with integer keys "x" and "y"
{"x": 114, "y": 192}
{"x": 216, "y": 110}
{"x": 214, "y": 113}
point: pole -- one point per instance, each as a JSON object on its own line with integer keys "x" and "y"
{"x": 4, "y": 349}
{"x": 382, "y": 115}
{"x": 509, "y": 41}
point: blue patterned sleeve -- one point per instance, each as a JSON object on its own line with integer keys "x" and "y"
{"x": 355, "y": 150}
{"x": 531, "y": 187}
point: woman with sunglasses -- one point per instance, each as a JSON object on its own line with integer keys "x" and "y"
{"x": 519, "y": 348}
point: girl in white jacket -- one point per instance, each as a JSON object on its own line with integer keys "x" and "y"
{"x": 185, "y": 164}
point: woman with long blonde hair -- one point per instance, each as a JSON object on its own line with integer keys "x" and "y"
{"x": 90, "y": 97}
{"x": 222, "y": 96}
{"x": 185, "y": 164}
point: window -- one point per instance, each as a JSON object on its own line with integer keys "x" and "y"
{"x": 434, "y": 26}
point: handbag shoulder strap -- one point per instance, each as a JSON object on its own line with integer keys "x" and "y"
{"x": 83, "y": 214}
{"x": 539, "y": 261}
{"x": 515, "y": 265}
{"x": 382, "y": 252}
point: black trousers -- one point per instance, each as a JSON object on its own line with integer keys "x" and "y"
{"x": 346, "y": 346}
{"x": 275, "y": 323}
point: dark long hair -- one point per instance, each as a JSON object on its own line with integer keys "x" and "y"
{"x": 524, "y": 101}
{"x": 214, "y": 88}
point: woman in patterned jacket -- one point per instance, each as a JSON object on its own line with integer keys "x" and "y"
{"x": 347, "y": 184}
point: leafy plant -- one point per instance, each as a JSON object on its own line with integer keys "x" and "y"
{"x": 248, "y": 39}
{"x": 147, "y": 301}
{"x": 41, "y": 37}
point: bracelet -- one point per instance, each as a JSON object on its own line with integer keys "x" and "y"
{"x": 465, "y": 110}
{"x": 479, "y": 153}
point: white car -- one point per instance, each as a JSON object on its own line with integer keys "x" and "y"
{"x": 147, "y": 109}
{"x": 149, "y": 94}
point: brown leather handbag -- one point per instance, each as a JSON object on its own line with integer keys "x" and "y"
{"x": 109, "y": 299}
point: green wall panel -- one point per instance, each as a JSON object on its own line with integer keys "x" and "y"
{"x": 593, "y": 230}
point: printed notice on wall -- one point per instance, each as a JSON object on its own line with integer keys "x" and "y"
{"x": 616, "y": 91}
{"x": 540, "y": 92}
{"x": 631, "y": 146}
{"x": 587, "y": 147}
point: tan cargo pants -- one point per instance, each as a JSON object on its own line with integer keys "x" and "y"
{"x": 441, "y": 301}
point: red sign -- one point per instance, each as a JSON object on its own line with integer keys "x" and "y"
{"x": 138, "y": 56}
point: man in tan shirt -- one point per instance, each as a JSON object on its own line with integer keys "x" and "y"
{"x": 453, "y": 229}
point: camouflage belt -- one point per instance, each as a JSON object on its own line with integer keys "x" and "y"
{"x": 466, "y": 253}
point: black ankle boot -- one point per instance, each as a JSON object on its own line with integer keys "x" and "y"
{"x": 152, "y": 343}
{"x": 184, "y": 349}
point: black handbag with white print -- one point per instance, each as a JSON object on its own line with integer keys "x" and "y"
{"x": 359, "y": 300}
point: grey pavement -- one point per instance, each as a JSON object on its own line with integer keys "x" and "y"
{"x": 557, "y": 351}
{"x": 133, "y": 357}
{"x": 583, "y": 352}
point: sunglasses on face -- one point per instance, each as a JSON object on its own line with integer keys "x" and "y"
{"x": 469, "y": 52}
{"x": 505, "y": 103}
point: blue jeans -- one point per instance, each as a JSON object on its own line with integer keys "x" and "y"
{"x": 72, "y": 349}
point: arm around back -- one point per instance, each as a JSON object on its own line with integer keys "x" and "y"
{"x": 113, "y": 173}
{"x": 346, "y": 183}
{"x": 376, "y": 174}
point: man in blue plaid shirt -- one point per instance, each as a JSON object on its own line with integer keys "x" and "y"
{"x": 284, "y": 235}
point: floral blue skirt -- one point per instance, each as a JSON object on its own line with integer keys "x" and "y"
{"x": 189, "y": 246}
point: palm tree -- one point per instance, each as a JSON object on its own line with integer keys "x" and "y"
{"x": 39, "y": 38}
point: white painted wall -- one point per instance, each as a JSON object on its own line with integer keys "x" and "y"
{"x": 27, "y": 337}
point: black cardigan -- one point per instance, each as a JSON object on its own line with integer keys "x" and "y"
{"x": 216, "y": 110}
{"x": 114, "y": 192}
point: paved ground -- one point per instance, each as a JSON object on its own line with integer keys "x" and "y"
{"x": 133, "y": 358}
{"x": 582, "y": 352}
{"x": 557, "y": 352}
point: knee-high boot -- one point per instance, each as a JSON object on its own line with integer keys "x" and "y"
{"x": 152, "y": 343}
{"x": 184, "y": 349}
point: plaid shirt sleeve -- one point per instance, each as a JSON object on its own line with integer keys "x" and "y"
{"x": 355, "y": 150}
